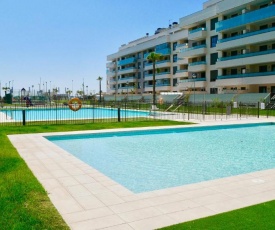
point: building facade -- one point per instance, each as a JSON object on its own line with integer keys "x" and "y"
{"x": 228, "y": 47}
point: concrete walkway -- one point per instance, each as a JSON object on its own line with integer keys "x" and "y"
{"x": 87, "y": 199}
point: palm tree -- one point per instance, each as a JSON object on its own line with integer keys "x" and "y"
{"x": 99, "y": 79}
{"x": 154, "y": 57}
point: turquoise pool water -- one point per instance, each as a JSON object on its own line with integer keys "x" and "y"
{"x": 66, "y": 113}
{"x": 156, "y": 159}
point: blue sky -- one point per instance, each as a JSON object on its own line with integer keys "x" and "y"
{"x": 63, "y": 42}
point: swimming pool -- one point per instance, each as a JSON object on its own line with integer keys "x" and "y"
{"x": 66, "y": 113}
{"x": 148, "y": 160}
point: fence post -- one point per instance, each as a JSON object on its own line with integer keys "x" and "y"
{"x": 258, "y": 109}
{"x": 118, "y": 114}
{"x": 24, "y": 116}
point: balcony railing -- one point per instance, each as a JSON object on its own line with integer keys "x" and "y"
{"x": 192, "y": 80}
{"x": 126, "y": 78}
{"x": 246, "y": 18}
{"x": 197, "y": 63}
{"x": 247, "y": 55}
{"x": 192, "y": 48}
{"x": 258, "y": 74}
{"x": 159, "y": 62}
{"x": 181, "y": 45}
{"x": 159, "y": 85}
{"x": 165, "y": 51}
{"x": 157, "y": 74}
{"x": 127, "y": 61}
{"x": 247, "y": 35}
{"x": 182, "y": 70}
{"x": 126, "y": 69}
{"x": 197, "y": 30}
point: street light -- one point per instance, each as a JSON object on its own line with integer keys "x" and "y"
{"x": 194, "y": 76}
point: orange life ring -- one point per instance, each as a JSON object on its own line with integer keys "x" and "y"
{"x": 75, "y": 104}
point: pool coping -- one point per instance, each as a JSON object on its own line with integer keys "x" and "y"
{"x": 87, "y": 199}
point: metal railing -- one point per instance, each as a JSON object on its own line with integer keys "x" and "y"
{"x": 129, "y": 110}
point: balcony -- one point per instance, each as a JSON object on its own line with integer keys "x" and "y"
{"x": 111, "y": 65}
{"x": 125, "y": 79}
{"x": 127, "y": 61}
{"x": 182, "y": 61}
{"x": 193, "y": 51}
{"x": 159, "y": 87}
{"x": 110, "y": 73}
{"x": 197, "y": 66}
{"x": 247, "y": 18}
{"x": 161, "y": 75}
{"x": 247, "y": 79}
{"x": 181, "y": 46}
{"x": 246, "y": 59}
{"x": 181, "y": 73}
{"x": 127, "y": 70}
{"x": 197, "y": 34}
{"x": 191, "y": 83}
{"x": 164, "y": 52}
{"x": 238, "y": 41}
{"x": 159, "y": 64}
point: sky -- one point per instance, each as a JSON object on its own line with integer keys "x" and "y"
{"x": 63, "y": 43}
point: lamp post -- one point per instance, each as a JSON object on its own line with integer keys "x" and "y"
{"x": 194, "y": 76}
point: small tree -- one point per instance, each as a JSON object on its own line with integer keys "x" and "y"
{"x": 154, "y": 57}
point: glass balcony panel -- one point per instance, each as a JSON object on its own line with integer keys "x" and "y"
{"x": 246, "y": 55}
{"x": 127, "y": 61}
{"x": 258, "y": 74}
{"x": 247, "y": 18}
{"x": 247, "y": 35}
{"x": 197, "y": 30}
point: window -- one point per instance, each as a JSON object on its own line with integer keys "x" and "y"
{"x": 263, "y": 6}
{"x": 214, "y": 40}
{"x": 234, "y": 71}
{"x": 263, "y": 27}
{"x": 175, "y": 82}
{"x": 175, "y": 68}
{"x": 273, "y": 24}
{"x": 175, "y": 45}
{"x": 263, "y": 68}
{"x": 213, "y": 75}
{"x": 263, "y": 48}
{"x": 234, "y": 15}
{"x": 234, "y": 34}
{"x": 213, "y": 23}
{"x": 273, "y": 46}
{"x": 273, "y": 67}
{"x": 262, "y": 89}
{"x": 213, "y": 58}
{"x": 234, "y": 53}
{"x": 213, "y": 90}
{"x": 139, "y": 65}
{"x": 175, "y": 58}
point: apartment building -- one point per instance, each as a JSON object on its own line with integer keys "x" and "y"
{"x": 228, "y": 47}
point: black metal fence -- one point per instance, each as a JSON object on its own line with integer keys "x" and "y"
{"x": 123, "y": 111}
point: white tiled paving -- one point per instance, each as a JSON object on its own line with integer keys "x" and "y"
{"x": 87, "y": 199}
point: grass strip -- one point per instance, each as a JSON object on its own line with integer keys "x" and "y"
{"x": 261, "y": 216}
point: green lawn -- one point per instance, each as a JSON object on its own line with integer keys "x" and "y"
{"x": 24, "y": 203}
{"x": 257, "y": 217}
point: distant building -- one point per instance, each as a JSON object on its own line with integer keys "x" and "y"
{"x": 228, "y": 47}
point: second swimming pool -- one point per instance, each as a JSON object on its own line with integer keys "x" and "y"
{"x": 148, "y": 160}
